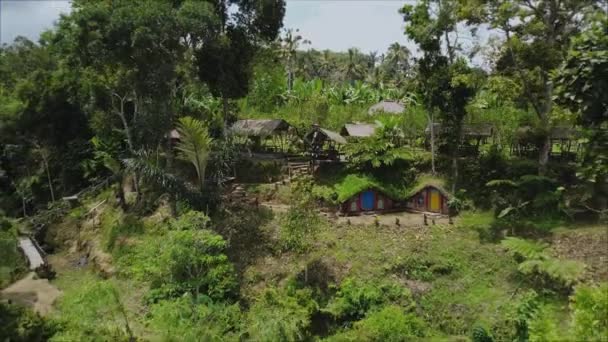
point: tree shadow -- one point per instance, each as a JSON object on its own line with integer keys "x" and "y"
{"x": 243, "y": 226}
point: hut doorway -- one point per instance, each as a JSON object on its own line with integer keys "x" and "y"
{"x": 367, "y": 200}
{"x": 435, "y": 202}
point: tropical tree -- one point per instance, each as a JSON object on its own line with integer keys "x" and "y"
{"x": 537, "y": 35}
{"x": 396, "y": 64}
{"x": 194, "y": 145}
{"x": 353, "y": 70}
{"x": 290, "y": 42}
{"x": 445, "y": 81}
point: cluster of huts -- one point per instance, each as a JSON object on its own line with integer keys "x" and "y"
{"x": 277, "y": 136}
{"x": 428, "y": 195}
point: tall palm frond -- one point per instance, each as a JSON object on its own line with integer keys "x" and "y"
{"x": 144, "y": 164}
{"x": 194, "y": 145}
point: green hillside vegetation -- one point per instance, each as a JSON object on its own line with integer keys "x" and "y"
{"x": 156, "y": 221}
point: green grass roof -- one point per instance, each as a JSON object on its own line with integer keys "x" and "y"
{"x": 352, "y": 184}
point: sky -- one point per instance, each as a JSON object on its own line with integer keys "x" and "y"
{"x": 338, "y": 25}
{"x": 28, "y": 18}
{"x": 370, "y": 25}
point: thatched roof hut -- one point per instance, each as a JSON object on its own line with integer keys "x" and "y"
{"x": 358, "y": 130}
{"x": 259, "y": 127}
{"x": 471, "y": 131}
{"x": 386, "y": 106}
{"x": 320, "y": 135}
{"x": 564, "y": 133}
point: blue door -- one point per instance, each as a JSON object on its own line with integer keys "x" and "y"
{"x": 367, "y": 200}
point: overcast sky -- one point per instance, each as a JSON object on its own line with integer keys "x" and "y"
{"x": 337, "y": 25}
{"x": 370, "y": 25}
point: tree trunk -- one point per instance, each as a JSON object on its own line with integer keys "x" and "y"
{"x": 120, "y": 196}
{"x": 48, "y": 177}
{"x": 432, "y": 126}
{"x": 454, "y": 170}
{"x": 23, "y": 206}
{"x": 225, "y": 109}
{"x": 545, "y": 150}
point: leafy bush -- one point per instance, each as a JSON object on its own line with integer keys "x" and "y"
{"x": 544, "y": 269}
{"x": 181, "y": 261}
{"x": 12, "y": 263}
{"x": 589, "y": 306}
{"x": 280, "y": 315}
{"x": 190, "y": 220}
{"x": 185, "y": 319}
{"x": 355, "y": 298}
{"x": 191, "y": 261}
{"x": 94, "y": 308}
{"x": 21, "y": 324}
{"x": 387, "y": 324}
{"x": 300, "y": 225}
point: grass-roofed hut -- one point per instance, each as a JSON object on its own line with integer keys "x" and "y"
{"x": 324, "y": 143}
{"x": 259, "y": 131}
{"x": 358, "y": 130}
{"x": 362, "y": 193}
{"x": 428, "y": 194}
{"x": 387, "y": 107}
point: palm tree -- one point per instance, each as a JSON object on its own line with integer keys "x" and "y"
{"x": 353, "y": 70}
{"x": 397, "y": 61}
{"x": 289, "y": 48}
{"x": 194, "y": 145}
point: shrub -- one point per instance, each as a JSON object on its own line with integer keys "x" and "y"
{"x": 12, "y": 264}
{"x": 355, "y": 298}
{"x": 94, "y": 308}
{"x": 388, "y": 324}
{"x": 590, "y": 313}
{"x": 301, "y": 223}
{"x": 544, "y": 269}
{"x": 184, "y": 319}
{"x": 192, "y": 261}
{"x": 191, "y": 219}
{"x": 21, "y": 324}
{"x": 281, "y": 315}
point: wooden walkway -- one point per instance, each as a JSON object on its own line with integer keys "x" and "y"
{"x": 31, "y": 252}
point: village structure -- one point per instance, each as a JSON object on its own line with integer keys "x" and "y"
{"x": 304, "y": 151}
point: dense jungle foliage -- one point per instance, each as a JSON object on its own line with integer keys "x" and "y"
{"x": 148, "y": 239}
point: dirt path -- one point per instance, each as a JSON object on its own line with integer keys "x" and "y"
{"x": 276, "y": 207}
{"x": 36, "y": 293}
{"x": 405, "y": 219}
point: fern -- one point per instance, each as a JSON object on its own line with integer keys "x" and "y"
{"x": 524, "y": 248}
{"x": 501, "y": 183}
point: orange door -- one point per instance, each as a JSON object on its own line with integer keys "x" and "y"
{"x": 435, "y": 201}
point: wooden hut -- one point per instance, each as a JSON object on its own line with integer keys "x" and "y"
{"x": 429, "y": 195}
{"x": 369, "y": 200}
{"x": 259, "y": 130}
{"x": 387, "y": 107}
{"x": 323, "y": 143}
{"x": 528, "y": 141}
{"x": 358, "y": 130}
{"x": 479, "y": 133}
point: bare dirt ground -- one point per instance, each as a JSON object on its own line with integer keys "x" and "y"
{"x": 405, "y": 219}
{"x": 588, "y": 245}
{"x": 36, "y": 293}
